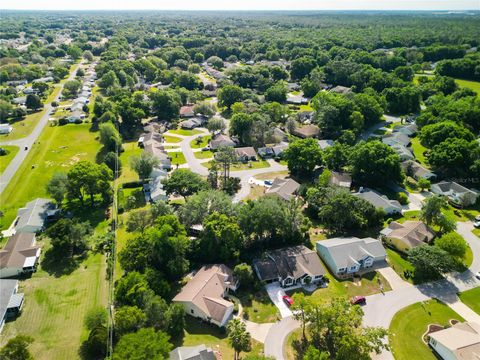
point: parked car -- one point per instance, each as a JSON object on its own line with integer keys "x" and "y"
{"x": 268, "y": 182}
{"x": 477, "y": 275}
{"x": 288, "y": 300}
{"x": 358, "y": 300}
{"x": 476, "y": 223}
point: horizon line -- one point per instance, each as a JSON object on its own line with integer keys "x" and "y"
{"x": 236, "y": 10}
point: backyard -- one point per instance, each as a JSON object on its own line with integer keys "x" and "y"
{"x": 409, "y": 325}
{"x": 57, "y": 149}
{"x": 5, "y": 159}
{"x": 130, "y": 149}
{"x": 418, "y": 151}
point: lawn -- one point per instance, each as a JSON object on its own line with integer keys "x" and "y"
{"x": 203, "y": 154}
{"x": 400, "y": 264}
{"x": 410, "y": 323}
{"x": 256, "y": 191}
{"x": 272, "y": 175}
{"x": 258, "y": 307}
{"x": 197, "y": 333}
{"x": 418, "y": 151}
{"x": 5, "y": 159}
{"x": 177, "y": 157}
{"x": 184, "y": 132}
{"x": 130, "y": 149}
{"x": 22, "y": 128}
{"x": 471, "y": 299}
{"x": 171, "y": 139}
{"x": 250, "y": 165}
{"x": 55, "y": 308}
{"x": 474, "y": 85}
{"x": 306, "y": 107}
{"x": 476, "y": 232}
{"x": 58, "y": 148}
{"x": 200, "y": 142}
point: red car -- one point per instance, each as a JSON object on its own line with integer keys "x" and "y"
{"x": 288, "y": 300}
{"x": 358, "y": 300}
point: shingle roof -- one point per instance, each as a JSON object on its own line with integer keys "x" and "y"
{"x": 307, "y": 131}
{"x": 245, "y": 151}
{"x": 7, "y": 288}
{"x": 379, "y": 201}
{"x": 34, "y": 213}
{"x": 285, "y": 188}
{"x": 199, "y": 352}
{"x": 463, "y": 339}
{"x": 18, "y": 249}
{"x": 341, "y": 179}
{"x": 221, "y": 140}
{"x": 412, "y": 233}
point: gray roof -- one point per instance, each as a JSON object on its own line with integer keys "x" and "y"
{"x": 7, "y": 289}
{"x": 199, "y": 352}
{"x": 418, "y": 171}
{"x": 18, "y": 248}
{"x": 377, "y": 200}
{"x": 221, "y": 140}
{"x": 325, "y": 143}
{"x": 349, "y": 250}
{"x": 285, "y": 188}
{"x": 446, "y": 187}
{"x": 408, "y": 130}
{"x": 341, "y": 179}
{"x": 396, "y": 138}
{"x": 34, "y": 213}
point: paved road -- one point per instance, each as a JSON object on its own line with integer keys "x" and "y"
{"x": 275, "y": 340}
{"x": 370, "y": 131}
{"x": 28, "y": 141}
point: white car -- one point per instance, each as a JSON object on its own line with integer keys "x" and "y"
{"x": 476, "y": 223}
{"x": 477, "y": 275}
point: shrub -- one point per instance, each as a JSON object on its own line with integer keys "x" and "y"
{"x": 402, "y": 198}
{"x": 62, "y": 121}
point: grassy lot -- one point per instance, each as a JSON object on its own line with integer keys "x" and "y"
{"x": 418, "y": 150}
{"x": 22, "y": 128}
{"x": 256, "y": 191}
{"x": 5, "y": 159}
{"x": 184, "y": 132}
{"x": 474, "y": 85}
{"x": 200, "y": 142}
{"x": 307, "y": 107}
{"x": 250, "y": 165}
{"x": 200, "y": 333}
{"x": 58, "y": 148}
{"x": 272, "y": 175}
{"x": 476, "y": 232}
{"x": 203, "y": 154}
{"x": 471, "y": 299}
{"x": 399, "y": 263}
{"x": 55, "y": 307}
{"x": 410, "y": 323}
{"x": 177, "y": 157}
{"x": 171, "y": 139}
{"x": 130, "y": 149}
{"x": 289, "y": 350}
{"x": 462, "y": 214}
{"x": 258, "y": 307}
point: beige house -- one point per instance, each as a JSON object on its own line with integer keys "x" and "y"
{"x": 19, "y": 256}
{"x": 284, "y": 188}
{"x": 204, "y": 295}
{"x": 407, "y": 235}
{"x": 307, "y": 131}
{"x": 459, "y": 342}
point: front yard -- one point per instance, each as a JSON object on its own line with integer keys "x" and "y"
{"x": 200, "y": 142}
{"x": 409, "y": 325}
{"x": 203, "y": 154}
{"x": 5, "y": 159}
{"x": 258, "y": 307}
{"x": 471, "y": 298}
{"x": 177, "y": 157}
{"x": 184, "y": 132}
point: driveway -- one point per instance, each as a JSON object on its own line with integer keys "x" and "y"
{"x": 275, "y": 292}
{"x": 395, "y": 281}
{"x": 275, "y": 340}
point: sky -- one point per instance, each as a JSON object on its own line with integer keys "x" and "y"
{"x": 241, "y": 4}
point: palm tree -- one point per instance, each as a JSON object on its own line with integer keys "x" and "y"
{"x": 238, "y": 336}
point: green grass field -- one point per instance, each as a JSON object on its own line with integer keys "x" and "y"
{"x": 55, "y": 308}
{"x": 203, "y": 154}
{"x": 471, "y": 299}
{"x": 184, "y": 132}
{"x": 5, "y": 159}
{"x": 177, "y": 157}
{"x": 418, "y": 150}
{"x": 57, "y": 149}
{"x": 399, "y": 263}
{"x": 22, "y": 128}
{"x": 410, "y": 323}
{"x": 171, "y": 139}
{"x": 130, "y": 149}
{"x": 197, "y": 144}
{"x": 258, "y": 307}
{"x": 474, "y": 85}
{"x": 241, "y": 166}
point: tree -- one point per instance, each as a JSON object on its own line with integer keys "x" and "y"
{"x": 303, "y": 156}
{"x": 166, "y": 104}
{"x": 71, "y": 88}
{"x": 221, "y": 238}
{"x": 110, "y": 137}
{"x": 133, "y": 290}
{"x": 336, "y": 328}
{"x": 204, "y": 108}
{"x": 452, "y": 243}
{"x": 203, "y": 204}
{"x": 301, "y": 67}
{"x": 128, "y": 319}
{"x": 108, "y": 80}
{"x": 86, "y": 178}
{"x": 241, "y": 126}
{"x": 87, "y": 55}
{"x": 239, "y": 338}
{"x": 57, "y": 187}
{"x": 424, "y": 184}
{"x": 430, "y": 261}
{"x": 216, "y": 124}
{"x": 375, "y": 163}
{"x": 276, "y": 92}
{"x": 432, "y": 213}
{"x": 143, "y": 165}
{"x": 69, "y": 236}
{"x": 94, "y": 347}
{"x": 143, "y": 344}
{"x": 5, "y": 110}
{"x": 33, "y": 102}
{"x": 184, "y": 182}
{"x": 138, "y": 220}
{"x": 95, "y": 317}
{"x": 454, "y": 157}
{"x": 41, "y": 86}
{"x": 229, "y": 95}
{"x": 434, "y": 134}
{"x": 113, "y": 163}
{"x": 215, "y": 61}
{"x": 17, "y": 348}
{"x": 244, "y": 274}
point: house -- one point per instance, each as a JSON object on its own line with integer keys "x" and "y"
{"x": 154, "y": 190}
{"x": 396, "y": 139}
{"x": 297, "y": 265}
{"x": 403, "y": 152}
{"x": 186, "y": 111}
{"x": 29, "y": 90}
{"x": 409, "y": 130}
{"x": 461, "y": 341}
{"x": 204, "y": 295}
{"x": 307, "y": 131}
{"x": 156, "y": 149}
{"x": 245, "y": 154}
{"x": 19, "y": 256}
{"x": 265, "y": 152}
{"x": 417, "y": 171}
{"x": 347, "y": 256}
{"x": 192, "y": 123}
{"x": 76, "y": 115}
{"x": 341, "y": 90}
{"x": 6, "y": 128}
{"x": 304, "y": 116}
{"x": 284, "y": 188}
{"x": 296, "y": 99}
{"x": 221, "y": 140}
{"x": 32, "y": 217}
{"x": 21, "y": 100}
{"x": 341, "y": 179}
{"x": 325, "y": 144}
{"x": 280, "y": 135}
{"x": 11, "y": 301}
{"x": 150, "y": 138}
{"x": 279, "y": 149}
{"x": 44, "y": 79}
{"x": 381, "y": 201}
{"x": 407, "y": 235}
{"x": 456, "y": 193}
{"x": 198, "y": 352}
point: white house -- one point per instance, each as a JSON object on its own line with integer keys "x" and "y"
{"x": 19, "y": 256}
{"x": 347, "y": 256}
{"x": 204, "y": 296}
{"x": 154, "y": 190}
{"x": 11, "y": 302}
{"x": 456, "y": 193}
{"x": 6, "y": 128}
{"x": 32, "y": 217}
{"x": 381, "y": 201}
{"x": 458, "y": 342}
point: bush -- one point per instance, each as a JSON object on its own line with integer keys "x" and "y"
{"x": 78, "y": 121}
{"x": 402, "y": 198}
{"x": 62, "y": 121}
